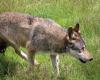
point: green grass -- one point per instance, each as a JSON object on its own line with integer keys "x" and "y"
{"x": 66, "y": 13}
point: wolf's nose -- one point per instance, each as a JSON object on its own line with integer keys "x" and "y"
{"x": 91, "y": 59}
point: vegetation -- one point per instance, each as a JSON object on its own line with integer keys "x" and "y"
{"x": 66, "y": 13}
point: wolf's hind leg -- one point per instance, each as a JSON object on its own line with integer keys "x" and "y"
{"x": 14, "y": 45}
{"x": 3, "y": 46}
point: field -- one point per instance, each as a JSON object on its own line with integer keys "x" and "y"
{"x": 66, "y": 13}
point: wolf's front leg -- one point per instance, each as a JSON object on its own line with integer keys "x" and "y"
{"x": 31, "y": 58}
{"x": 31, "y": 54}
{"x": 55, "y": 63}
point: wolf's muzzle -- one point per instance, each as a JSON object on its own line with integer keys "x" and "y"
{"x": 82, "y": 61}
{"x": 85, "y": 61}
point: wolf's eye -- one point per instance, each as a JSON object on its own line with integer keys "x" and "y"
{"x": 73, "y": 38}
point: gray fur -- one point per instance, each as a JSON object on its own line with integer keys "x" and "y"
{"x": 45, "y": 34}
{"x": 38, "y": 34}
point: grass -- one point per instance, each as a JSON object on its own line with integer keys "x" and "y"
{"x": 66, "y": 13}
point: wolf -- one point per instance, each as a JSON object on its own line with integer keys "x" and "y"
{"x": 41, "y": 34}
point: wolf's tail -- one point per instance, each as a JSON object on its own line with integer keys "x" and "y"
{"x": 3, "y": 46}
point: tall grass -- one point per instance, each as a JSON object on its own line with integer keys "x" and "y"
{"x": 66, "y": 13}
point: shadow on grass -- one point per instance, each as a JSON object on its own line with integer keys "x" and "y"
{"x": 7, "y": 67}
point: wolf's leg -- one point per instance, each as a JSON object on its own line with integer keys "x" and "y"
{"x": 31, "y": 58}
{"x": 55, "y": 62}
{"x": 14, "y": 45}
{"x": 3, "y": 46}
{"x": 31, "y": 54}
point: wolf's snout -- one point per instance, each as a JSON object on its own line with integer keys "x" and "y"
{"x": 84, "y": 61}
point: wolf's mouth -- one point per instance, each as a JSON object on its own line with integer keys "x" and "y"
{"x": 82, "y": 61}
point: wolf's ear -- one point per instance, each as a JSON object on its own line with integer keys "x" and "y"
{"x": 76, "y": 28}
{"x": 70, "y": 31}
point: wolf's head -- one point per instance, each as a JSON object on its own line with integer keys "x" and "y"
{"x": 76, "y": 44}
